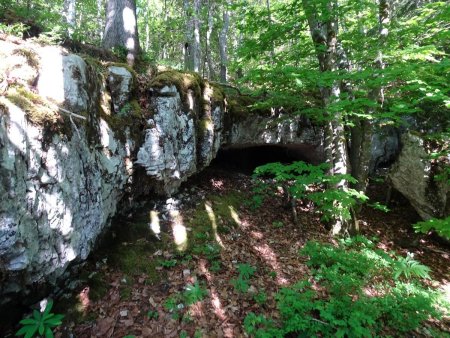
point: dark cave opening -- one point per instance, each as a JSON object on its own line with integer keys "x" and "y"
{"x": 245, "y": 159}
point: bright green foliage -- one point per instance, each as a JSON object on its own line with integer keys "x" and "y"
{"x": 409, "y": 267}
{"x": 441, "y": 226}
{"x": 152, "y": 314}
{"x": 260, "y": 298}
{"x": 168, "y": 263}
{"x": 194, "y": 293}
{"x": 353, "y": 300}
{"x": 246, "y": 270}
{"x": 41, "y": 323}
{"x": 241, "y": 283}
{"x": 307, "y": 181}
{"x": 277, "y": 224}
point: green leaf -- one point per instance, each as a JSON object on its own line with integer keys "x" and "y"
{"x": 31, "y": 332}
{"x": 25, "y": 329}
{"x": 48, "y": 333}
{"x": 28, "y": 321}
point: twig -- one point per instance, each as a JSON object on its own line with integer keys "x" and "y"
{"x": 75, "y": 126}
{"x": 71, "y": 114}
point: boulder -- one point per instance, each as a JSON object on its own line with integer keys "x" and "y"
{"x": 413, "y": 175}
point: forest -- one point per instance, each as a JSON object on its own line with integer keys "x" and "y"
{"x": 283, "y": 168}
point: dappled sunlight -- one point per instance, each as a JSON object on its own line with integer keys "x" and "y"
{"x": 217, "y": 184}
{"x": 83, "y": 301}
{"x": 154, "y": 224}
{"x": 179, "y": 230}
{"x": 234, "y": 215}
{"x": 212, "y": 218}
{"x": 270, "y": 258}
{"x": 51, "y": 82}
{"x": 217, "y": 305}
{"x": 446, "y": 290}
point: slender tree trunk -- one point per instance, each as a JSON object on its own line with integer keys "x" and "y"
{"x": 187, "y": 47}
{"x": 196, "y": 46}
{"x": 211, "y": 73}
{"x": 362, "y": 133}
{"x": 223, "y": 44}
{"x": 70, "y": 15}
{"x": 121, "y": 28}
{"x": 324, "y": 35}
{"x": 100, "y": 18}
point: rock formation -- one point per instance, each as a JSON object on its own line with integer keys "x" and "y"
{"x": 414, "y": 175}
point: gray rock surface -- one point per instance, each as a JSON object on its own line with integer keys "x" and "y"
{"x": 169, "y": 153}
{"x": 120, "y": 84}
{"x": 59, "y": 190}
{"x": 412, "y": 175}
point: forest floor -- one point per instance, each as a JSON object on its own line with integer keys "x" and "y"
{"x": 138, "y": 285}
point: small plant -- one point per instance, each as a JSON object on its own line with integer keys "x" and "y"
{"x": 216, "y": 266}
{"x": 246, "y": 270}
{"x": 41, "y": 323}
{"x": 173, "y": 305}
{"x": 260, "y": 297}
{"x": 194, "y": 293}
{"x": 168, "y": 263}
{"x": 409, "y": 267}
{"x": 152, "y": 314}
{"x": 277, "y": 224}
{"x": 272, "y": 274}
{"x": 240, "y": 284}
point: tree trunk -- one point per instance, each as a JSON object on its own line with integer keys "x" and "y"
{"x": 324, "y": 35}
{"x": 211, "y": 73}
{"x": 121, "y": 28}
{"x": 361, "y": 143}
{"x": 196, "y": 46}
{"x": 187, "y": 48}
{"x": 223, "y": 45}
{"x": 100, "y": 18}
{"x": 70, "y": 16}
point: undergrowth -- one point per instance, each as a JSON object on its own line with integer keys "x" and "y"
{"x": 357, "y": 290}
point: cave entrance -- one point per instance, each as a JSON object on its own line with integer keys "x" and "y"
{"x": 244, "y": 159}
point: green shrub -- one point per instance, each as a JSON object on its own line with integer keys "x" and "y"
{"x": 355, "y": 292}
{"x": 441, "y": 226}
{"x": 299, "y": 178}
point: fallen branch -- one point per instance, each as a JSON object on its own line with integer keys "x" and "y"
{"x": 70, "y": 113}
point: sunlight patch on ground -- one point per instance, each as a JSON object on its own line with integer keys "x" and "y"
{"x": 271, "y": 258}
{"x": 216, "y": 304}
{"x": 179, "y": 230}
{"x": 154, "y": 225}
{"x": 446, "y": 290}
{"x": 234, "y": 215}
{"x": 212, "y": 218}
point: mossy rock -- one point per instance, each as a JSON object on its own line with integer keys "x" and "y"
{"x": 30, "y": 55}
{"x": 40, "y": 112}
{"x": 183, "y": 81}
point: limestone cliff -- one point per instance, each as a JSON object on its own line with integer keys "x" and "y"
{"x": 62, "y": 166}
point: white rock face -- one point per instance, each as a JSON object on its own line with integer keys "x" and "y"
{"x": 58, "y": 192}
{"x": 120, "y": 83}
{"x": 169, "y": 152}
{"x": 412, "y": 175}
